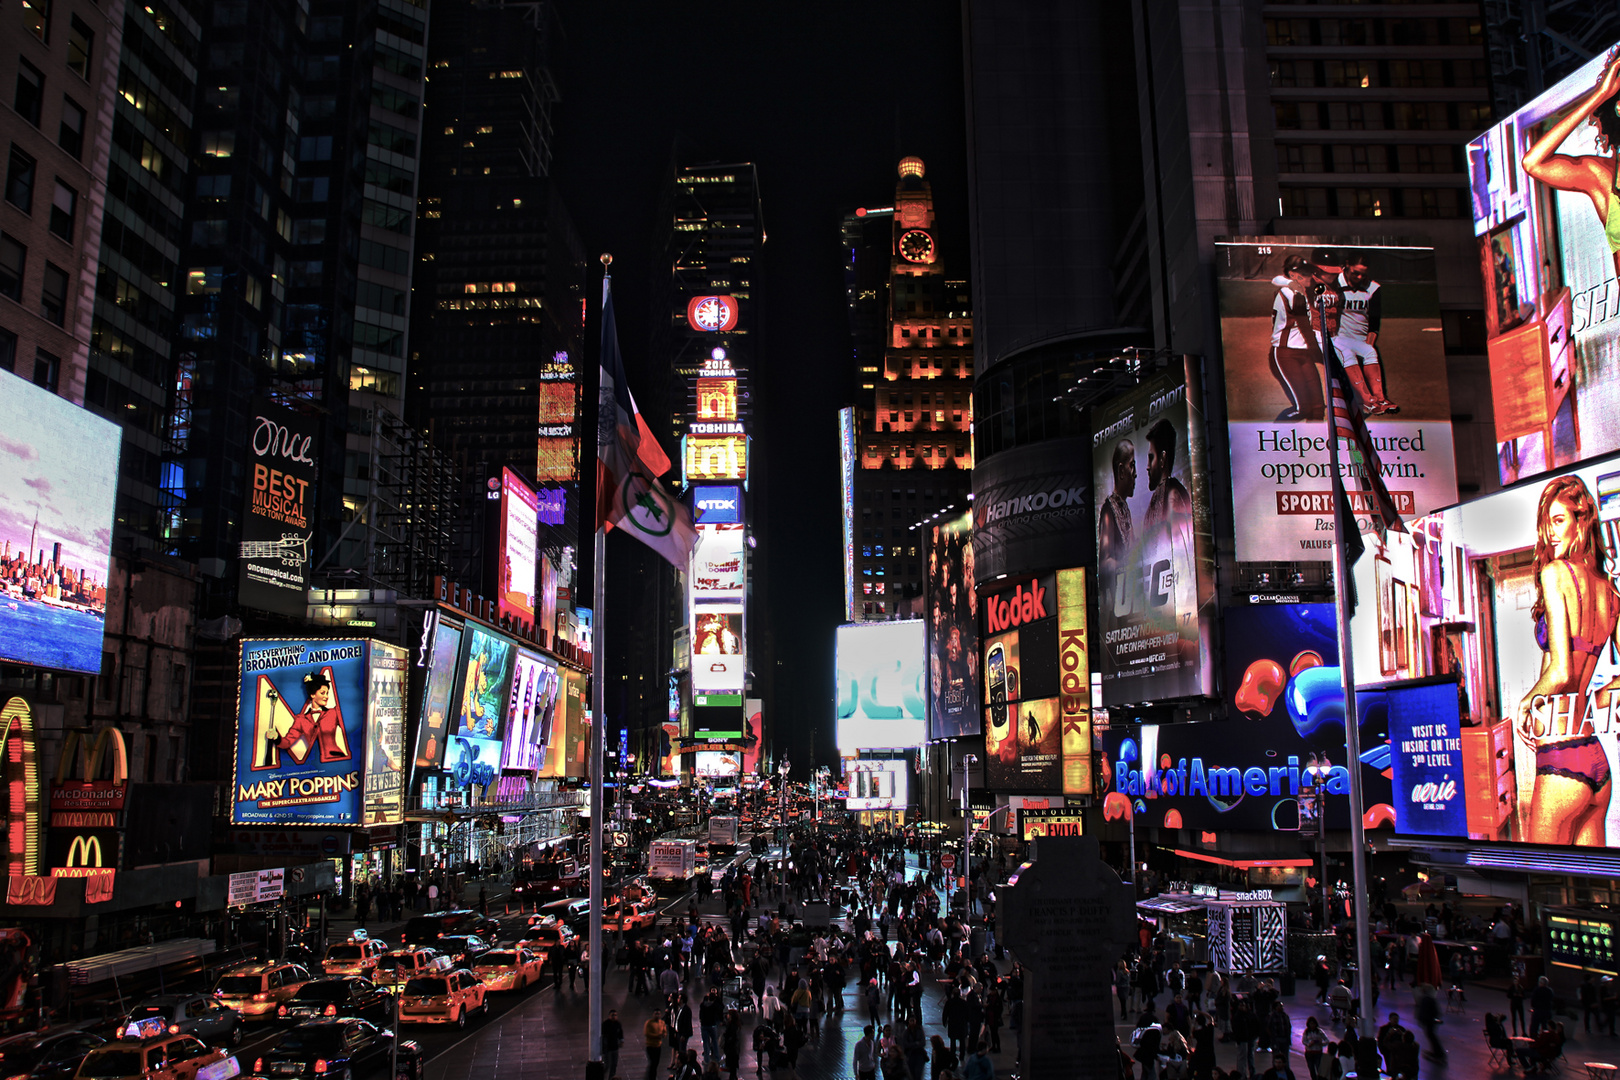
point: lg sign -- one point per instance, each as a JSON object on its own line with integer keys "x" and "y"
{"x": 717, "y": 505}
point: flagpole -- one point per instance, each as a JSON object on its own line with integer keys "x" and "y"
{"x": 1342, "y": 521}
{"x": 593, "y": 991}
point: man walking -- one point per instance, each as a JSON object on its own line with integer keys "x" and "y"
{"x": 865, "y": 1057}
{"x": 653, "y": 1033}
{"x": 612, "y": 1039}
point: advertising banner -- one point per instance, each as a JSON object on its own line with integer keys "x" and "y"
{"x": 487, "y": 663}
{"x": 846, "y": 505}
{"x": 753, "y": 729}
{"x": 553, "y": 507}
{"x": 58, "y": 476}
{"x": 717, "y": 563}
{"x": 1032, "y": 509}
{"x": 877, "y": 785}
{"x": 529, "y": 712}
{"x": 519, "y": 548}
{"x": 302, "y": 721}
{"x": 1037, "y": 686}
{"x": 717, "y": 763}
{"x": 717, "y": 504}
{"x": 557, "y": 446}
{"x": 1035, "y": 823}
{"x": 1155, "y": 550}
{"x": 880, "y": 692}
{"x": 1514, "y": 596}
{"x": 278, "y": 523}
{"x": 953, "y": 632}
{"x": 1430, "y": 783}
{"x": 577, "y": 741}
{"x": 385, "y": 741}
{"x": 1383, "y": 313}
{"x": 438, "y": 693}
{"x": 718, "y": 662}
{"x": 716, "y": 457}
{"x": 1246, "y": 772}
{"x": 1545, "y": 214}
{"x": 716, "y": 407}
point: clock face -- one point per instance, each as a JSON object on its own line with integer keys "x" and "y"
{"x": 712, "y": 313}
{"x": 917, "y": 246}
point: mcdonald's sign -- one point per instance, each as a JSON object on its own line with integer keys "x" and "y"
{"x": 88, "y": 853}
{"x": 84, "y": 802}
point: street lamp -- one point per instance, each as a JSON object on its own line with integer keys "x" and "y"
{"x": 1319, "y": 768}
{"x": 782, "y": 769}
{"x": 968, "y": 761}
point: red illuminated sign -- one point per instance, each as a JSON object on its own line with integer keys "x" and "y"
{"x": 712, "y": 314}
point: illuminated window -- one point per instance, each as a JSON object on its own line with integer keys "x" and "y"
{"x": 219, "y": 144}
{"x": 486, "y": 129}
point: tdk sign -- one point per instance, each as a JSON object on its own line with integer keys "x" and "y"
{"x": 717, "y": 505}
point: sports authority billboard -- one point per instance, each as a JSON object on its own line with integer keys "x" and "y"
{"x": 1032, "y": 509}
{"x": 278, "y": 523}
{"x": 1513, "y": 597}
{"x": 1155, "y": 551}
{"x": 58, "y": 476}
{"x": 1037, "y": 686}
{"x": 877, "y": 785}
{"x": 715, "y": 457}
{"x": 302, "y": 723}
{"x": 718, "y": 660}
{"x": 717, "y": 563}
{"x": 880, "y": 693}
{"x": 953, "y": 632}
{"x": 385, "y": 735}
{"x": 519, "y": 548}
{"x": 557, "y": 446}
{"x": 1544, "y": 211}
{"x": 1383, "y": 313}
{"x": 1286, "y": 708}
{"x": 438, "y": 693}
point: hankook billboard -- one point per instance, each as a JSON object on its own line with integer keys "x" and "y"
{"x": 1032, "y": 509}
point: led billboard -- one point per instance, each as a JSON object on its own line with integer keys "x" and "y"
{"x": 557, "y": 448}
{"x": 712, "y": 314}
{"x": 519, "y": 548}
{"x": 953, "y": 631}
{"x": 1155, "y": 550}
{"x": 881, "y": 690}
{"x": 385, "y": 739}
{"x": 58, "y": 475}
{"x": 487, "y": 663}
{"x": 753, "y": 729}
{"x": 1037, "y": 685}
{"x": 718, "y": 662}
{"x": 1513, "y": 597}
{"x": 717, "y": 563}
{"x": 877, "y": 785}
{"x": 1383, "y": 314}
{"x": 302, "y": 725}
{"x": 1032, "y": 509}
{"x": 553, "y": 506}
{"x": 717, "y": 504}
{"x": 716, "y": 400}
{"x": 438, "y": 693}
{"x": 1544, "y": 211}
{"x": 1286, "y": 707}
{"x": 846, "y": 496}
{"x": 717, "y": 763}
{"x": 278, "y": 524}
{"x": 716, "y": 457}
{"x": 576, "y": 743}
{"x": 529, "y": 712}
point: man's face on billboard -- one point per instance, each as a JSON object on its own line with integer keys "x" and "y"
{"x": 1155, "y": 467}
{"x": 1125, "y": 476}
{"x": 1357, "y": 274}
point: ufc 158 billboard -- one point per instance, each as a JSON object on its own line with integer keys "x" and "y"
{"x": 1382, "y": 310}
{"x": 1155, "y": 549}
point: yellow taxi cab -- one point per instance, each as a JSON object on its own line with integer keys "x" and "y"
{"x": 631, "y": 916}
{"x": 357, "y": 956}
{"x": 514, "y": 968}
{"x": 149, "y": 1052}
{"x": 257, "y": 990}
{"x": 446, "y": 997}
{"x": 403, "y": 965}
{"x": 547, "y": 934}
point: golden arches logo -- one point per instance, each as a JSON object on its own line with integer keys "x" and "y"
{"x": 22, "y": 791}
{"x": 91, "y": 753}
{"x": 84, "y": 858}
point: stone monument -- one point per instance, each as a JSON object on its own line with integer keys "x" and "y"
{"x": 1067, "y": 918}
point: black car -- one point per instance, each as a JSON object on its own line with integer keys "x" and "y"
{"x": 190, "y": 1014}
{"x": 463, "y": 949}
{"x": 345, "y": 1048}
{"x": 46, "y": 1057}
{"x": 428, "y": 929}
{"x": 338, "y": 996}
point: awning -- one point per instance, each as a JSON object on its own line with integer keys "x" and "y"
{"x": 134, "y": 961}
{"x": 1167, "y": 905}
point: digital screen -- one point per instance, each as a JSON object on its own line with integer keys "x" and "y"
{"x": 58, "y": 475}
{"x": 278, "y": 523}
{"x": 877, "y": 785}
{"x": 718, "y": 661}
{"x": 529, "y": 711}
{"x": 716, "y": 399}
{"x": 1506, "y": 595}
{"x": 1382, "y": 308}
{"x": 553, "y": 506}
{"x": 1034, "y": 823}
{"x": 577, "y": 741}
{"x": 487, "y": 663}
{"x": 519, "y": 547}
{"x": 1285, "y": 705}
{"x": 385, "y": 742}
{"x": 953, "y": 632}
{"x": 438, "y": 694}
{"x": 846, "y": 474}
{"x": 1546, "y": 231}
{"x": 753, "y": 728}
{"x": 712, "y": 314}
{"x": 302, "y": 723}
{"x": 717, "y": 504}
{"x": 1429, "y": 781}
{"x": 881, "y": 672}
{"x": 717, "y": 563}
{"x": 557, "y": 456}
{"x": 1583, "y": 942}
{"x": 555, "y": 459}
{"x": 717, "y": 763}
{"x": 716, "y": 457}
{"x": 1155, "y": 551}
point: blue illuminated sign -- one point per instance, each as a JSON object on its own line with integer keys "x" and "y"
{"x": 1425, "y": 734}
{"x": 717, "y": 505}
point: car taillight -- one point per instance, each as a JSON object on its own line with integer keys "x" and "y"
{"x": 261, "y": 996}
{"x": 330, "y": 1010}
{"x": 174, "y": 1029}
{"x": 320, "y": 1066}
{"x": 282, "y": 1011}
{"x": 258, "y": 1065}
{"x": 118, "y": 1033}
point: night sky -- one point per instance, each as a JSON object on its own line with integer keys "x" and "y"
{"x": 824, "y": 99}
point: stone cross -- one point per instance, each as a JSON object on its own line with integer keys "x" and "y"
{"x": 1068, "y": 918}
